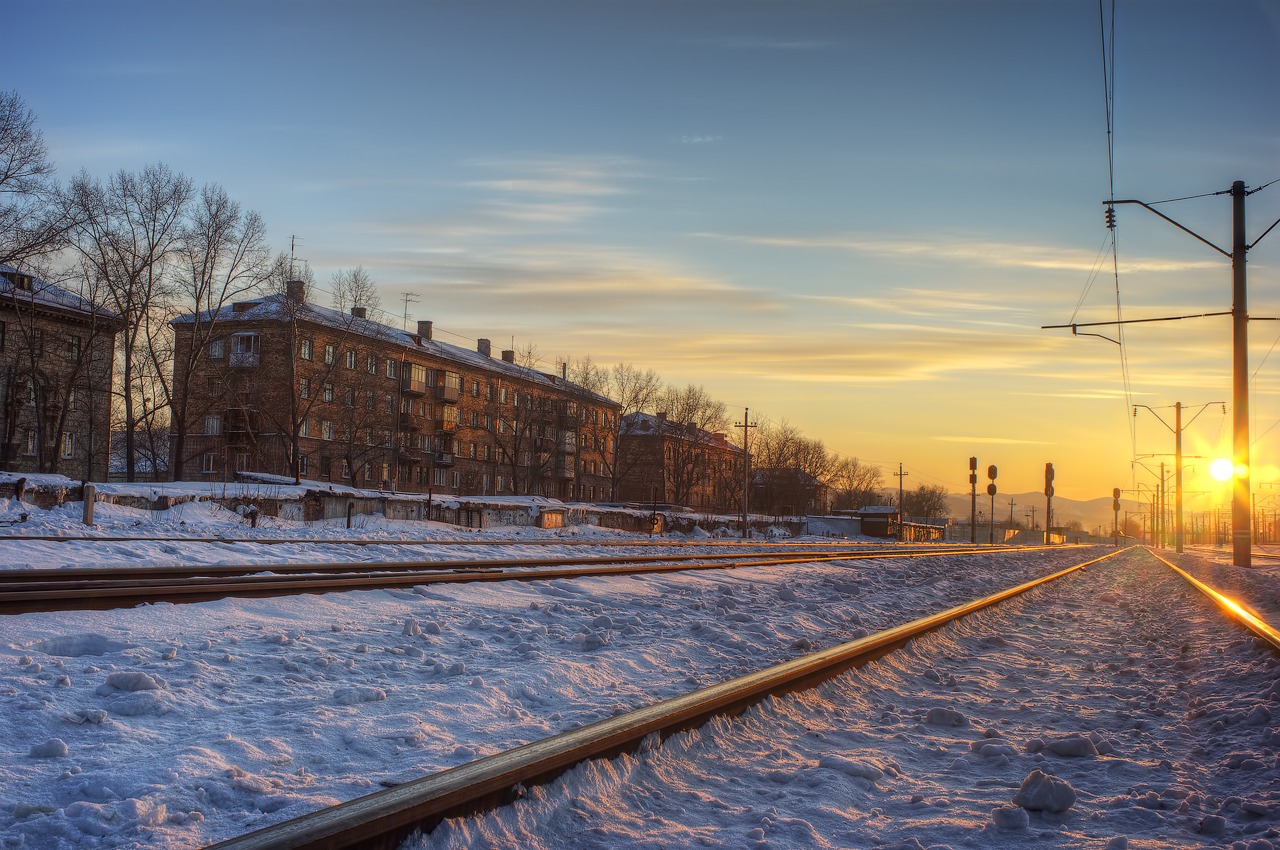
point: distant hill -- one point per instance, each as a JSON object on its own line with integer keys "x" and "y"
{"x": 1091, "y": 514}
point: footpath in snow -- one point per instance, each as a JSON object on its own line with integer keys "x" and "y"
{"x": 1113, "y": 709}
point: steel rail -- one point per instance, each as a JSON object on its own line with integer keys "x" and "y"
{"x": 1235, "y": 610}
{"x": 153, "y": 571}
{"x": 361, "y": 541}
{"x": 105, "y": 593}
{"x": 383, "y": 819}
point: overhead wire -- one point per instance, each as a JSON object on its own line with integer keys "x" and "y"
{"x": 1108, "y": 41}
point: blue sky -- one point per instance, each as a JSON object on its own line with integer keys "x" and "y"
{"x": 854, "y": 216}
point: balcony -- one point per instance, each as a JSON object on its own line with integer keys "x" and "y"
{"x": 565, "y": 471}
{"x": 410, "y": 386}
{"x": 244, "y": 359}
{"x": 448, "y": 393}
{"x": 443, "y": 459}
{"x": 447, "y": 424}
{"x": 409, "y": 422}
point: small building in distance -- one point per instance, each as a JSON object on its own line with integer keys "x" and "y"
{"x": 669, "y": 462}
{"x": 788, "y": 491}
{"x": 290, "y": 388}
{"x": 56, "y": 359}
{"x": 879, "y": 520}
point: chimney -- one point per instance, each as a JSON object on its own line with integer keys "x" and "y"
{"x": 508, "y": 355}
{"x": 662, "y": 416}
{"x": 482, "y": 346}
{"x": 359, "y": 312}
{"x": 295, "y": 290}
{"x": 424, "y": 329}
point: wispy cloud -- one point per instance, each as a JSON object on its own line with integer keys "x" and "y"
{"x": 960, "y": 250}
{"x": 998, "y": 441}
{"x": 731, "y": 42}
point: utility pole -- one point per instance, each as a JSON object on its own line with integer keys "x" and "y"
{"x": 901, "y": 475}
{"x": 1031, "y": 512}
{"x": 746, "y": 424}
{"x": 1179, "y": 533}
{"x": 1011, "y": 503}
{"x": 1241, "y": 528}
{"x": 973, "y": 500}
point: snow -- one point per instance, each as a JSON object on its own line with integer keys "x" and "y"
{"x": 181, "y": 725}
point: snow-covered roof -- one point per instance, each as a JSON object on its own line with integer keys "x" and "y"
{"x": 45, "y": 294}
{"x": 276, "y": 308}
{"x": 642, "y": 424}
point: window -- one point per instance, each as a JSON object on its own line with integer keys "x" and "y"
{"x": 73, "y": 399}
{"x": 304, "y": 387}
{"x": 488, "y": 452}
{"x": 1, "y": 336}
{"x": 213, "y": 424}
{"x": 351, "y": 358}
{"x": 438, "y": 477}
{"x": 304, "y": 464}
{"x": 37, "y": 342}
{"x": 389, "y": 402}
{"x": 457, "y": 480}
{"x": 475, "y": 419}
{"x": 488, "y": 391}
{"x": 502, "y": 426}
{"x": 68, "y": 445}
{"x": 73, "y": 349}
{"x": 327, "y": 391}
{"x": 471, "y": 452}
{"x": 346, "y": 469}
{"x": 217, "y": 350}
{"x": 475, "y": 389}
{"x": 215, "y": 387}
{"x": 30, "y": 442}
{"x": 326, "y": 429}
{"x": 304, "y": 427}
{"x": 349, "y": 396}
{"x": 330, "y": 354}
{"x": 502, "y": 395}
{"x": 209, "y": 462}
{"x": 242, "y": 462}
{"x": 244, "y": 349}
{"x": 304, "y": 349}
{"x": 391, "y": 368}
{"x": 371, "y": 365}
{"x": 370, "y": 400}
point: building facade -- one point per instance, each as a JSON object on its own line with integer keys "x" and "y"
{"x": 289, "y": 388}
{"x": 56, "y": 359}
{"x": 672, "y": 463}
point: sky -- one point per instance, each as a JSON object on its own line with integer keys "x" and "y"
{"x": 854, "y": 217}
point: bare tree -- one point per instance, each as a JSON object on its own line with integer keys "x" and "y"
{"x": 798, "y": 466}
{"x": 354, "y": 288}
{"x": 636, "y": 390}
{"x": 928, "y": 501}
{"x": 33, "y": 217}
{"x": 692, "y": 410}
{"x": 223, "y": 255}
{"x": 856, "y": 484}
{"x": 127, "y": 232}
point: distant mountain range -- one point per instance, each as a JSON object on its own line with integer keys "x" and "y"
{"x": 1091, "y": 514}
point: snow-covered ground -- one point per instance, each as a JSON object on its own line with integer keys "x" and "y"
{"x": 176, "y": 726}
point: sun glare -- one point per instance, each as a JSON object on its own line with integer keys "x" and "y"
{"x": 1221, "y": 469}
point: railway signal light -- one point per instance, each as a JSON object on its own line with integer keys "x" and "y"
{"x": 991, "y": 472}
{"x": 1048, "y": 479}
{"x": 1115, "y": 499}
{"x": 991, "y": 489}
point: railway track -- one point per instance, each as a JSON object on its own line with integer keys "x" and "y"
{"x": 383, "y": 819}
{"x": 101, "y": 588}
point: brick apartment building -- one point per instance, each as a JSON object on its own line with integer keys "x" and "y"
{"x": 669, "y": 462}
{"x": 56, "y": 357}
{"x": 294, "y": 389}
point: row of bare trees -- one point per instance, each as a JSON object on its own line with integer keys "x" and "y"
{"x": 140, "y": 248}
{"x": 853, "y": 483}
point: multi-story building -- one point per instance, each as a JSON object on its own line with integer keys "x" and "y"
{"x": 669, "y": 462}
{"x": 56, "y": 353}
{"x": 290, "y": 388}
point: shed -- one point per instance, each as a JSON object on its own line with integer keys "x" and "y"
{"x": 879, "y": 520}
